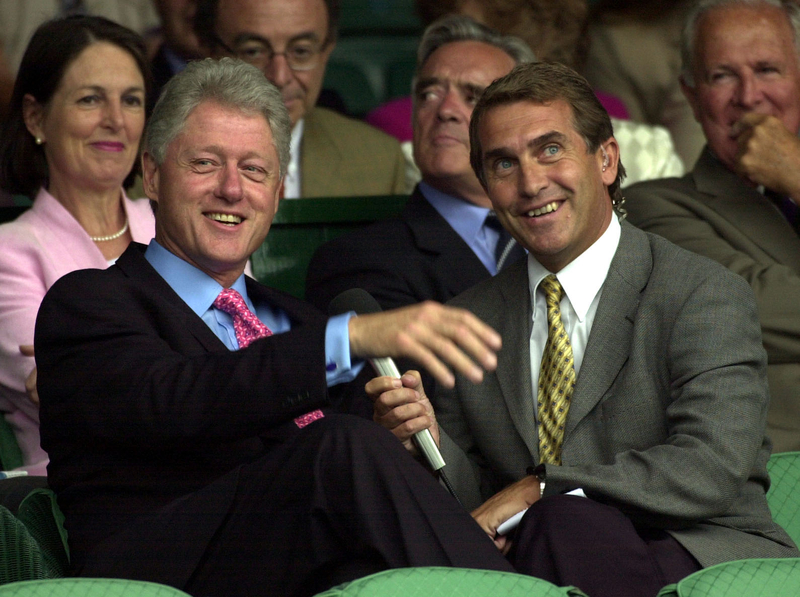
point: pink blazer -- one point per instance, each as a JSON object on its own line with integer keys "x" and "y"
{"x": 36, "y": 249}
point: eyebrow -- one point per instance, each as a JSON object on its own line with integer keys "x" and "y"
{"x": 305, "y": 36}
{"x": 539, "y": 141}
{"x": 429, "y": 81}
{"x": 101, "y": 89}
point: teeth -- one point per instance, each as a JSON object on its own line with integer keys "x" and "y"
{"x": 550, "y": 207}
{"x": 225, "y": 218}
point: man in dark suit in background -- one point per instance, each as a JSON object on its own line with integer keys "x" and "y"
{"x": 738, "y": 206}
{"x": 291, "y": 41}
{"x": 183, "y": 404}
{"x": 179, "y": 43}
{"x": 440, "y": 244}
{"x": 646, "y": 409}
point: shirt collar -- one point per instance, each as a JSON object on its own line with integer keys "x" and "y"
{"x": 291, "y": 188}
{"x": 196, "y": 288}
{"x": 583, "y": 278}
{"x": 464, "y": 217}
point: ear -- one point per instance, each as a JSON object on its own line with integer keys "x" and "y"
{"x": 608, "y": 155}
{"x": 691, "y": 97}
{"x": 150, "y": 176}
{"x": 33, "y": 115}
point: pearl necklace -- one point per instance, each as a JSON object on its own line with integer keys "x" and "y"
{"x": 102, "y": 239}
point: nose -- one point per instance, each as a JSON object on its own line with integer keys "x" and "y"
{"x": 749, "y": 91}
{"x": 450, "y": 107}
{"x": 532, "y": 178}
{"x": 278, "y": 72}
{"x": 113, "y": 115}
{"x": 230, "y": 184}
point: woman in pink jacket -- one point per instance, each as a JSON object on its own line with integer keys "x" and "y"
{"x": 71, "y": 139}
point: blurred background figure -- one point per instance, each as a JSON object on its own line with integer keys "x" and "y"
{"x": 71, "y": 138}
{"x": 178, "y": 43}
{"x": 635, "y": 54}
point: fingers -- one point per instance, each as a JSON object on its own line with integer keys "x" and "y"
{"x": 400, "y": 405}
{"x": 26, "y": 349}
{"x": 435, "y": 336}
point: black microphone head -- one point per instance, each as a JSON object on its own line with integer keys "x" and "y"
{"x": 355, "y": 299}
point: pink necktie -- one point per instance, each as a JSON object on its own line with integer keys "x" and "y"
{"x": 249, "y": 328}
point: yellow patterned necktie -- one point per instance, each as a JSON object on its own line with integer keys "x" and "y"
{"x": 556, "y": 377}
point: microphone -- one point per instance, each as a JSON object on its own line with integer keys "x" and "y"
{"x": 363, "y": 303}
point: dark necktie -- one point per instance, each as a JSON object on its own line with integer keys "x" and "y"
{"x": 249, "y": 328}
{"x": 788, "y": 208}
{"x": 507, "y": 250}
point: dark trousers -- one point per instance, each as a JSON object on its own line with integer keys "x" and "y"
{"x": 332, "y": 502}
{"x": 571, "y": 540}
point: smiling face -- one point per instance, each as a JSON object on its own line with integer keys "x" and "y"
{"x": 448, "y": 85}
{"x": 93, "y": 123}
{"x": 745, "y": 61}
{"x": 547, "y": 190}
{"x": 279, "y": 23}
{"x": 217, "y": 190}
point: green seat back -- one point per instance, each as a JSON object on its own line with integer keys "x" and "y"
{"x": 302, "y": 225}
{"x": 378, "y": 16}
{"x": 88, "y": 587}
{"x": 448, "y": 582}
{"x": 33, "y": 544}
{"x": 768, "y": 577}
{"x": 352, "y": 84}
{"x": 784, "y": 493}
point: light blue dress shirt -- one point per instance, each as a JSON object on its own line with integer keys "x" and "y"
{"x": 199, "y": 291}
{"x": 468, "y": 220}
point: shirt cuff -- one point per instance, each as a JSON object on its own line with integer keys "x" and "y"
{"x": 338, "y": 366}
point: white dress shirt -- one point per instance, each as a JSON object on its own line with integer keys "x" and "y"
{"x": 291, "y": 183}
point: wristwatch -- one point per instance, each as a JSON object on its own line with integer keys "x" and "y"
{"x": 540, "y": 472}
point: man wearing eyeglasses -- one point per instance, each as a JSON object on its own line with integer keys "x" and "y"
{"x": 291, "y": 41}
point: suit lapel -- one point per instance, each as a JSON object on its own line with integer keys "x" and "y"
{"x": 746, "y": 209}
{"x": 134, "y": 265}
{"x": 456, "y": 265}
{"x": 610, "y": 337}
{"x": 513, "y": 322}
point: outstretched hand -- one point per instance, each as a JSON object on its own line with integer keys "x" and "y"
{"x": 431, "y": 334}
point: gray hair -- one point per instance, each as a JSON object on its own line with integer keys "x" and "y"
{"x": 461, "y": 28}
{"x": 229, "y": 82}
{"x": 689, "y": 34}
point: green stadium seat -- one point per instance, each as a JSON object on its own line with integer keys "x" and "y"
{"x": 302, "y": 225}
{"x": 449, "y": 582}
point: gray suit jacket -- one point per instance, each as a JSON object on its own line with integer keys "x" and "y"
{"x": 667, "y": 419}
{"x": 711, "y": 211}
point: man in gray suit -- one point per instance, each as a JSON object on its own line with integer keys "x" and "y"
{"x": 647, "y": 410}
{"x": 738, "y": 206}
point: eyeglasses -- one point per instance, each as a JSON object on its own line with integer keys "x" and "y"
{"x": 300, "y": 55}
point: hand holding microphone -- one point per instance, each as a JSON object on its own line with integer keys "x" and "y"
{"x": 429, "y": 333}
